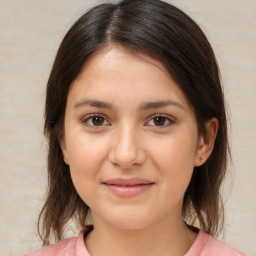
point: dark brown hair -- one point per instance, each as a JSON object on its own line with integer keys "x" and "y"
{"x": 167, "y": 34}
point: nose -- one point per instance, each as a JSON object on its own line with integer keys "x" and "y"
{"x": 127, "y": 148}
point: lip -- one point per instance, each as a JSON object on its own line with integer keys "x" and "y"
{"x": 128, "y": 187}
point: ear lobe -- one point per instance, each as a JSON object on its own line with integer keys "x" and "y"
{"x": 206, "y": 142}
{"x": 64, "y": 152}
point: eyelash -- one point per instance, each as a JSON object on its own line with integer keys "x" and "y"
{"x": 89, "y": 118}
{"x": 167, "y": 119}
{"x": 86, "y": 120}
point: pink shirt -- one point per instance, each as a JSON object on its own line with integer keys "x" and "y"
{"x": 204, "y": 245}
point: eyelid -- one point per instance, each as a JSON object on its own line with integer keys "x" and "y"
{"x": 90, "y": 116}
{"x": 86, "y": 118}
{"x": 169, "y": 118}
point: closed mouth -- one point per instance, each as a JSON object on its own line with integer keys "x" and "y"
{"x": 131, "y": 182}
{"x": 128, "y": 187}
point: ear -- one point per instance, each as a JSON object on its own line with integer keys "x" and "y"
{"x": 64, "y": 151}
{"x": 206, "y": 142}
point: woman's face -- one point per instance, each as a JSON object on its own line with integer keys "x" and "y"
{"x": 131, "y": 140}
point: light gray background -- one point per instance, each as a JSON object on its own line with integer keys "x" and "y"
{"x": 30, "y": 33}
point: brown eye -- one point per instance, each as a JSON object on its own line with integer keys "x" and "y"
{"x": 97, "y": 120}
{"x": 159, "y": 121}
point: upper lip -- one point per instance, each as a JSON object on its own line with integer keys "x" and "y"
{"x": 127, "y": 181}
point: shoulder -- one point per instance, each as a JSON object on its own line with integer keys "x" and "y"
{"x": 62, "y": 248}
{"x": 70, "y": 247}
{"x": 214, "y": 247}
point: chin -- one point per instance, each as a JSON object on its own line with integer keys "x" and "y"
{"x": 129, "y": 220}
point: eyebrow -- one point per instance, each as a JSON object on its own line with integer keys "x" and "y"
{"x": 159, "y": 104}
{"x": 142, "y": 107}
{"x": 93, "y": 103}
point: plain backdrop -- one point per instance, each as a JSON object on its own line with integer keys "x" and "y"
{"x": 30, "y": 33}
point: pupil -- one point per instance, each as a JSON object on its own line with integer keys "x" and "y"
{"x": 159, "y": 121}
{"x": 97, "y": 120}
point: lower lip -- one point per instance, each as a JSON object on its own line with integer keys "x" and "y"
{"x": 128, "y": 191}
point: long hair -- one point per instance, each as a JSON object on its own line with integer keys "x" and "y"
{"x": 167, "y": 34}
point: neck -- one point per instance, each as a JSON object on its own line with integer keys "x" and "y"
{"x": 164, "y": 240}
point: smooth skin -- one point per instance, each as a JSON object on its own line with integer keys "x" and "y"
{"x": 126, "y": 118}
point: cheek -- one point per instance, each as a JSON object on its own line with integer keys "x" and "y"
{"x": 86, "y": 157}
{"x": 85, "y": 150}
{"x": 174, "y": 152}
{"x": 174, "y": 160}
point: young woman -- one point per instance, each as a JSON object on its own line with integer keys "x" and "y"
{"x": 136, "y": 124}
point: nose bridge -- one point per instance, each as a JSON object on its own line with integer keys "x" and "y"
{"x": 127, "y": 148}
{"x": 126, "y": 139}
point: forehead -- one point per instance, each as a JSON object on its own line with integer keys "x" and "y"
{"x": 109, "y": 55}
{"x": 115, "y": 71}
